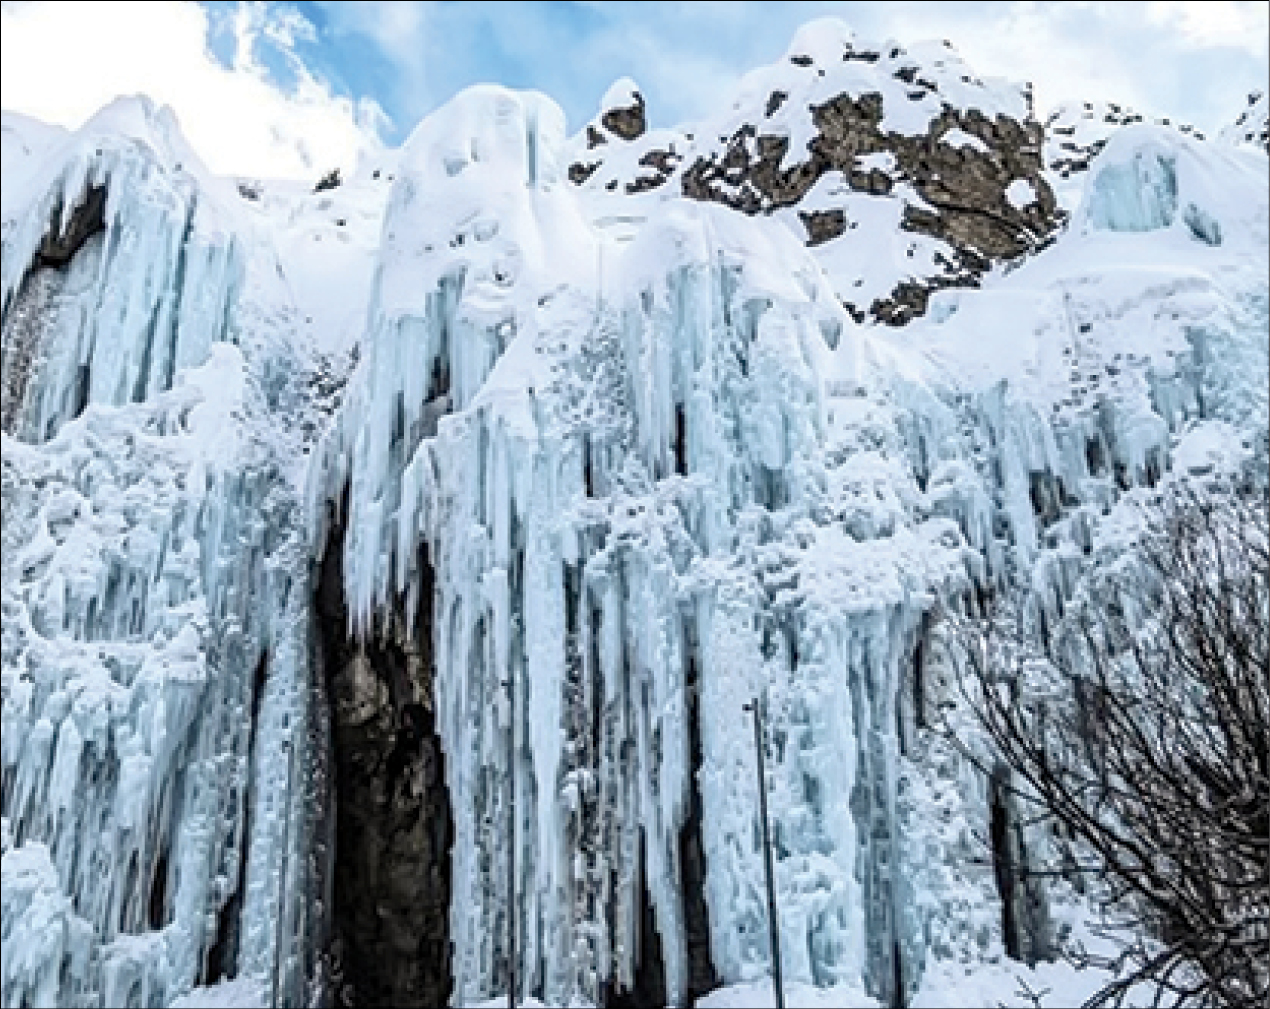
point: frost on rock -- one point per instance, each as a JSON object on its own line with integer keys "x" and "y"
{"x": 405, "y": 664}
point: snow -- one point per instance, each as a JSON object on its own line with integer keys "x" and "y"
{"x": 957, "y": 137}
{"x": 1020, "y": 193}
{"x": 649, "y": 453}
{"x": 621, "y": 94}
{"x": 241, "y": 993}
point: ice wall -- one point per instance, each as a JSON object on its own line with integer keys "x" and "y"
{"x": 154, "y": 621}
{"x": 664, "y": 474}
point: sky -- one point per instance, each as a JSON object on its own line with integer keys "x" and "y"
{"x": 293, "y": 89}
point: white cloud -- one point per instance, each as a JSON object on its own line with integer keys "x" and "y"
{"x": 1034, "y": 42}
{"x": 1216, "y": 23}
{"x": 61, "y": 62}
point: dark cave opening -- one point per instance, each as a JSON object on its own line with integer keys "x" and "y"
{"x": 394, "y": 828}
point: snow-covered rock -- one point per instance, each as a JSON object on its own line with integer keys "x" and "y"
{"x": 1252, "y": 125}
{"x": 904, "y": 147}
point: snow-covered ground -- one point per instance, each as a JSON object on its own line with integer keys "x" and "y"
{"x": 650, "y": 454}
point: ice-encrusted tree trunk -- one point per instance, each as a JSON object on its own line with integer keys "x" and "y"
{"x": 1141, "y": 729}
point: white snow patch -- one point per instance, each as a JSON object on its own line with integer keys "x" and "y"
{"x": 1020, "y": 194}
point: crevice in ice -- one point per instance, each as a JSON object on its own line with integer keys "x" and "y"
{"x": 702, "y": 976}
{"x": 222, "y": 957}
{"x": 158, "y": 892}
{"x": 899, "y": 997}
{"x": 648, "y": 991}
{"x": 680, "y": 443}
{"x": 1003, "y": 866}
{"x": 394, "y": 826}
{"x": 1025, "y": 926}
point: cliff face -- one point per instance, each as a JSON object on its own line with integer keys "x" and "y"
{"x": 384, "y": 654}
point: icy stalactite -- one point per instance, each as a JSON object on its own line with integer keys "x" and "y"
{"x": 570, "y": 533}
{"x": 644, "y": 491}
{"x": 128, "y": 700}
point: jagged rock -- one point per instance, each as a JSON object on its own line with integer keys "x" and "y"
{"x": 87, "y": 219}
{"x": 579, "y": 172}
{"x": 917, "y": 129}
{"x": 823, "y": 225}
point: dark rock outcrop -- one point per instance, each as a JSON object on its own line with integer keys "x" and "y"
{"x": 627, "y": 122}
{"x": 60, "y": 243}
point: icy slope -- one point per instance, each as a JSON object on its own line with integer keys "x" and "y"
{"x": 382, "y": 558}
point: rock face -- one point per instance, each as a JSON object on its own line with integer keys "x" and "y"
{"x": 628, "y": 121}
{"x": 963, "y": 184}
{"x": 394, "y": 830}
{"x": 619, "y": 138}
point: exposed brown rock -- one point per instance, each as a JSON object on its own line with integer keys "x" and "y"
{"x": 964, "y": 186}
{"x": 663, "y": 164}
{"x": 626, "y": 122}
{"x": 823, "y": 225}
{"x": 579, "y": 173}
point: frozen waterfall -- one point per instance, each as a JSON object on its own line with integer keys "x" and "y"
{"x": 325, "y": 677}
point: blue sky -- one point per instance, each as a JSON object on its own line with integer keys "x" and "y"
{"x": 280, "y": 88}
